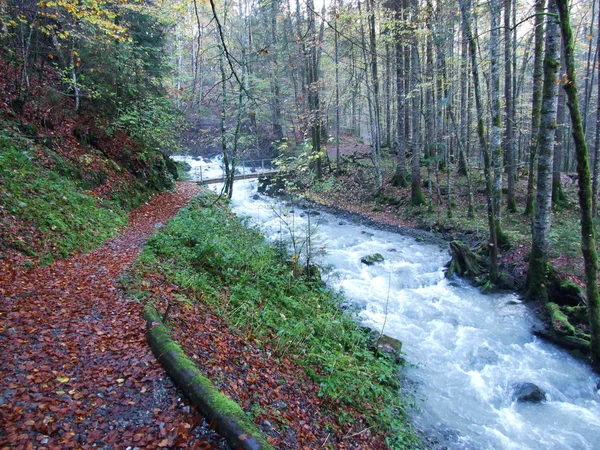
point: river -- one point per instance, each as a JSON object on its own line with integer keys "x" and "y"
{"x": 466, "y": 351}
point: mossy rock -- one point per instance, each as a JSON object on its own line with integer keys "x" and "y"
{"x": 369, "y": 260}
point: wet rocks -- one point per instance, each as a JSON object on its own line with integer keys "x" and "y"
{"x": 528, "y": 392}
{"x": 390, "y": 347}
{"x": 369, "y": 260}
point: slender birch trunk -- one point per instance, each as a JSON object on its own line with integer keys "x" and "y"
{"x": 537, "y": 281}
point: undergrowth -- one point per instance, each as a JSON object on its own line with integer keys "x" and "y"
{"x": 221, "y": 262}
{"x": 44, "y": 214}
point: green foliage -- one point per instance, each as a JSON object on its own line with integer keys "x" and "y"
{"x": 69, "y": 221}
{"x": 152, "y": 122}
{"x": 207, "y": 251}
{"x": 565, "y": 234}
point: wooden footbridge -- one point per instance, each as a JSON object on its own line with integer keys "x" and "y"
{"x": 245, "y": 170}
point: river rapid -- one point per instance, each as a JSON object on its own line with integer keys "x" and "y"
{"x": 466, "y": 351}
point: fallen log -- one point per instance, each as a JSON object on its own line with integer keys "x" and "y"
{"x": 230, "y": 420}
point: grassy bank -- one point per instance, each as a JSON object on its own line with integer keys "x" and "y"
{"x": 59, "y": 198}
{"x": 208, "y": 258}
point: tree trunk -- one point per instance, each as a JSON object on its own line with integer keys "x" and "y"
{"x": 276, "y": 102}
{"x": 589, "y": 71}
{"x": 496, "y": 138}
{"x": 416, "y": 197}
{"x": 314, "y": 105}
{"x": 493, "y": 252}
{"x": 376, "y": 138}
{"x": 596, "y": 176}
{"x": 511, "y": 203}
{"x": 538, "y": 260}
{"x": 337, "y": 88}
{"x": 388, "y": 96}
{"x": 558, "y": 195}
{"x": 464, "y": 106}
{"x": 229, "y": 420}
{"x": 588, "y": 240}
{"x": 536, "y": 102}
{"x": 400, "y": 178}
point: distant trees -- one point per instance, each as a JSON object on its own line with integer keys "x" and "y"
{"x": 106, "y": 55}
{"x": 312, "y": 69}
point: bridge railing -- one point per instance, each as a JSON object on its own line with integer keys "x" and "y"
{"x": 242, "y": 169}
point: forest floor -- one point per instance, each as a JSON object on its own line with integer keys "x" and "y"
{"x": 76, "y": 369}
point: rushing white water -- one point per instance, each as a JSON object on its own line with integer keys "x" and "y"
{"x": 466, "y": 350}
{"x": 203, "y": 168}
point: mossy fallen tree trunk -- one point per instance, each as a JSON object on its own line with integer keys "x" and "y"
{"x": 231, "y": 421}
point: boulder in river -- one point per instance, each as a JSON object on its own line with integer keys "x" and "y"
{"x": 369, "y": 260}
{"x": 528, "y": 392}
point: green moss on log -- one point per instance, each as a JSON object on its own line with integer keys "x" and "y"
{"x": 560, "y": 322}
{"x": 231, "y": 421}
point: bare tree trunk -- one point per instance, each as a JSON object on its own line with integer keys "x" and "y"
{"x": 313, "y": 89}
{"x": 493, "y": 247}
{"x": 496, "y": 140}
{"x": 400, "y": 177}
{"x": 74, "y": 84}
{"x": 376, "y": 138}
{"x": 337, "y": 88}
{"x": 596, "y": 176}
{"x": 276, "y": 102}
{"x": 416, "y": 193}
{"x": 388, "y": 96}
{"x": 536, "y": 102}
{"x": 430, "y": 133}
{"x": 537, "y": 281}
{"x": 588, "y": 239}
{"x": 589, "y": 71}
{"x": 558, "y": 195}
{"x": 464, "y": 106}
{"x": 511, "y": 203}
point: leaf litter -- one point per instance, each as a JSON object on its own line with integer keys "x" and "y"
{"x": 76, "y": 369}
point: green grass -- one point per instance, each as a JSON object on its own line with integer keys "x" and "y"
{"x": 206, "y": 250}
{"x": 52, "y": 205}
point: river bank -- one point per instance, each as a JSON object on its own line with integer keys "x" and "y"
{"x": 468, "y": 353}
{"x": 274, "y": 341}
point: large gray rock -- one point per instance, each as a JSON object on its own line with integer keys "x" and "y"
{"x": 528, "y": 392}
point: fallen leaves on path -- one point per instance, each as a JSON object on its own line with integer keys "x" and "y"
{"x": 76, "y": 369}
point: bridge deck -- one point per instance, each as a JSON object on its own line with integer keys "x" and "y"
{"x": 247, "y": 176}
